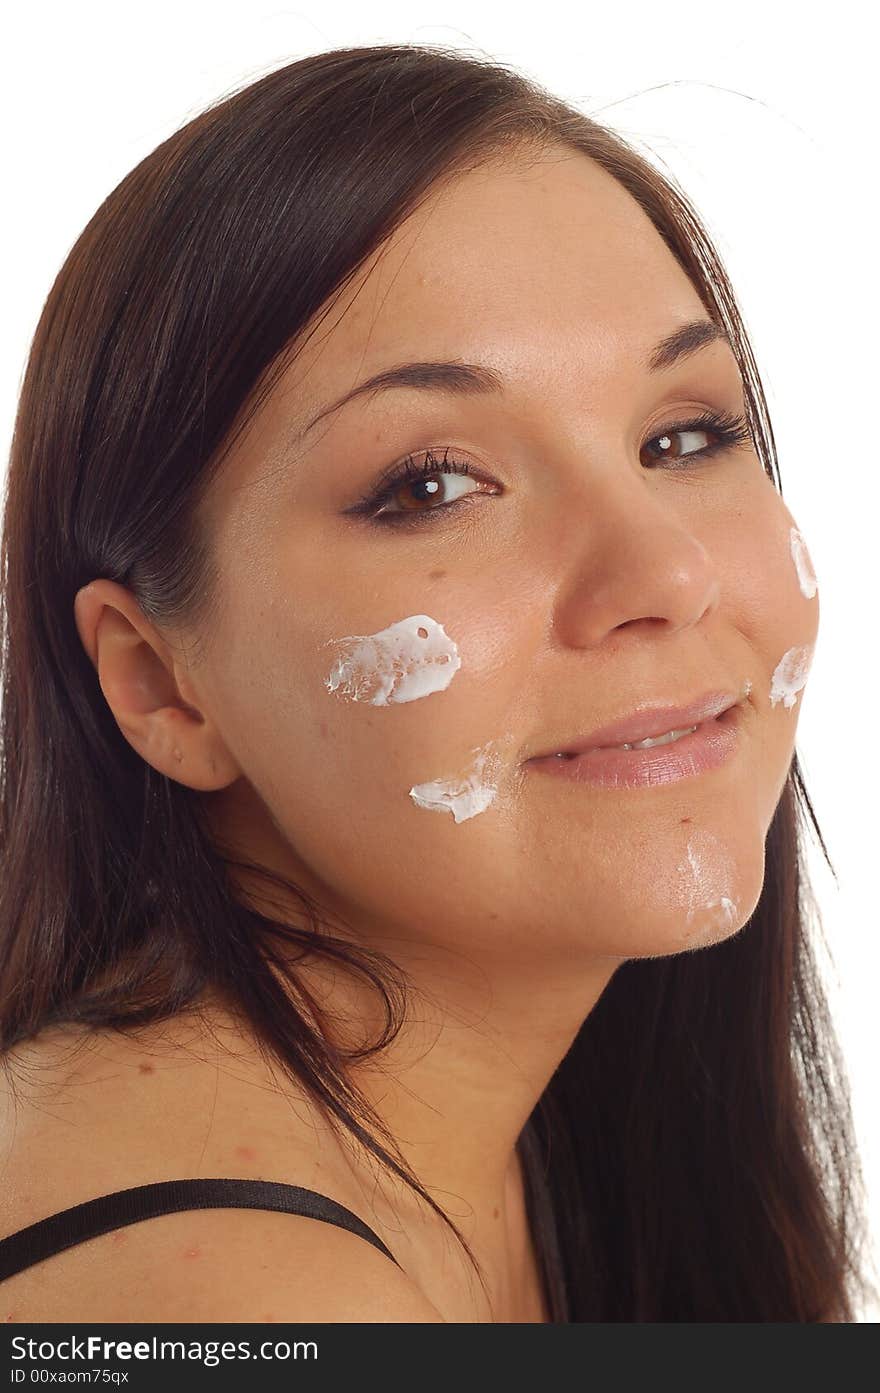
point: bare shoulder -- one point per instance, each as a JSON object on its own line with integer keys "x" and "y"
{"x": 212, "y": 1266}
{"x": 90, "y": 1115}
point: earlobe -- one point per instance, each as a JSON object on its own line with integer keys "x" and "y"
{"x": 181, "y": 743}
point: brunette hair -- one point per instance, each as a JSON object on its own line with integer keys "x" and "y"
{"x": 693, "y": 1156}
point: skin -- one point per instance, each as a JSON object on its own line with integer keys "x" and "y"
{"x": 578, "y": 585}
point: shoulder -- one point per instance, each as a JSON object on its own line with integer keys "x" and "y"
{"x": 103, "y": 1114}
{"x": 206, "y": 1266}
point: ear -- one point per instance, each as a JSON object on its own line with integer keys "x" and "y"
{"x": 147, "y": 689}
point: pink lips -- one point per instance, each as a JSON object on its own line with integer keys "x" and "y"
{"x": 716, "y": 716}
{"x": 644, "y": 724}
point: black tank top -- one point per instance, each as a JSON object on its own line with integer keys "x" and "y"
{"x": 88, "y": 1220}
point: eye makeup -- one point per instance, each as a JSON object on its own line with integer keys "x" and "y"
{"x": 410, "y": 659}
{"x": 729, "y": 430}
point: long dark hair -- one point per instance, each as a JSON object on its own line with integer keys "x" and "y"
{"x": 693, "y": 1157}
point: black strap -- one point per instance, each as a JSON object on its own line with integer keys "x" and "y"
{"x": 88, "y": 1220}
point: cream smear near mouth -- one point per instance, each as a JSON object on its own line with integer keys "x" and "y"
{"x": 408, "y": 660}
{"x": 463, "y": 795}
{"x": 802, "y": 564}
{"x": 791, "y": 674}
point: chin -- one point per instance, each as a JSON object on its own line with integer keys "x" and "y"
{"x": 705, "y": 924}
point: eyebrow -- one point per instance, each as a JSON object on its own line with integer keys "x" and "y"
{"x": 472, "y": 379}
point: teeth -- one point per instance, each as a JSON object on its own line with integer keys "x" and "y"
{"x": 648, "y": 744}
{"x": 656, "y": 740}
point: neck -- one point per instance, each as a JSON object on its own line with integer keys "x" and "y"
{"x": 455, "y": 1088}
{"x": 487, "y": 1023}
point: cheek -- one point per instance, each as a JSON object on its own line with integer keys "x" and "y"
{"x": 765, "y": 570}
{"x": 770, "y": 572}
{"x": 420, "y": 707}
{"x": 370, "y": 719}
{"x": 378, "y": 747}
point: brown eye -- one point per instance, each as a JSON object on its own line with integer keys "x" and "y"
{"x": 728, "y": 431}
{"x": 413, "y": 491}
{"x": 429, "y": 489}
{"x": 409, "y": 492}
{"x": 667, "y": 447}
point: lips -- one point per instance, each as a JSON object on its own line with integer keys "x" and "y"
{"x": 646, "y": 723}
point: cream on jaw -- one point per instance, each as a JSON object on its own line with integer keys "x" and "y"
{"x": 802, "y": 564}
{"x": 707, "y": 871}
{"x": 791, "y": 674}
{"x": 463, "y": 795}
{"x": 408, "y": 660}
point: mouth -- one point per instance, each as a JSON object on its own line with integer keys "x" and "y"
{"x": 659, "y": 723}
{"x": 658, "y": 746}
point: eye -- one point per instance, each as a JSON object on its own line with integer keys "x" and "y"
{"x": 414, "y": 490}
{"x": 408, "y": 492}
{"x": 730, "y": 430}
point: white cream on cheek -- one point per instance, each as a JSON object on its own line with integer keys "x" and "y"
{"x": 463, "y": 795}
{"x": 802, "y": 564}
{"x": 408, "y": 660}
{"x": 790, "y": 674}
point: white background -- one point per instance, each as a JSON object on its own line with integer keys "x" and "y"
{"x": 760, "y": 111}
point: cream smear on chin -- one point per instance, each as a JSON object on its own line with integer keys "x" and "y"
{"x": 408, "y": 660}
{"x": 802, "y": 564}
{"x": 706, "y": 873}
{"x": 463, "y": 795}
{"x": 790, "y": 674}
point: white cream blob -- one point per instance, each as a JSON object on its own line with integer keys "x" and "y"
{"x": 791, "y": 674}
{"x": 463, "y": 795}
{"x": 802, "y": 564}
{"x": 408, "y": 660}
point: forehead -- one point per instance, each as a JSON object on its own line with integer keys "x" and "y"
{"x": 539, "y": 266}
{"x": 545, "y": 254}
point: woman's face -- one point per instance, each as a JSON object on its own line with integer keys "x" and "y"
{"x": 380, "y": 674}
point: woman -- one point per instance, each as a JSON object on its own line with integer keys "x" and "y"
{"x": 390, "y": 449}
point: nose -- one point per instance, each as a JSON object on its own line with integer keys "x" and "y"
{"x": 638, "y": 566}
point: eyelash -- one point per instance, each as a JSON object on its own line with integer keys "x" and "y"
{"x": 731, "y": 431}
